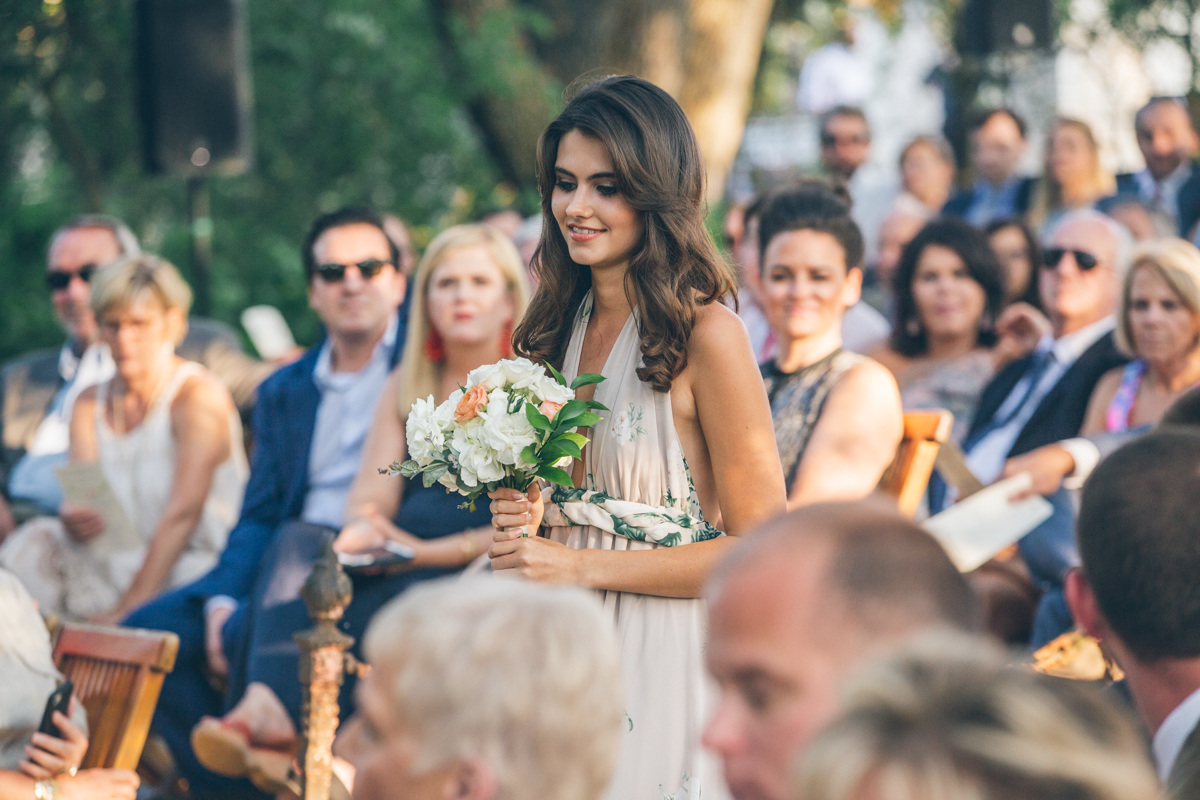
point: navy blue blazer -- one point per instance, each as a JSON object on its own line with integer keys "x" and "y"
{"x": 960, "y": 202}
{"x": 284, "y": 418}
{"x": 1188, "y": 198}
{"x": 1061, "y": 412}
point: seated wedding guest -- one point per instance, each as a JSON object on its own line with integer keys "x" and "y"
{"x": 926, "y": 175}
{"x": 1170, "y": 183}
{"x": 470, "y": 291}
{"x": 1158, "y": 324}
{"x": 1136, "y": 589}
{"x": 438, "y": 727}
{"x": 897, "y": 230}
{"x": 32, "y": 764}
{"x": 997, "y": 147}
{"x": 1074, "y": 176}
{"x": 799, "y": 604}
{"x": 837, "y": 414}
{"x": 862, "y": 326}
{"x": 167, "y": 438}
{"x": 1043, "y": 397}
{"x": 949, "y": 292}
{"x": 38, "y": 390}
{"x": 947, "y": 719}
{"x": 1021, "y": 257}
{"x": 310, "y": 423}
{"x": 1143, "y": 221}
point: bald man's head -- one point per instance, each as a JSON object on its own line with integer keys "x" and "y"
{"x": 798, "y": 604}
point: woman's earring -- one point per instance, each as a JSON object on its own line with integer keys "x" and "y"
{"x": 506, "y": 340}
{"x": 912, "y": 327}
{"x": 435, "y": 351}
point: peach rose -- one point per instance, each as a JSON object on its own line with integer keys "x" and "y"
{"x": 549, "y": 408}
{"x": 472, "y": 400}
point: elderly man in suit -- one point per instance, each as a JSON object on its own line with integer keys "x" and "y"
{"x": 1137, "y": 590}
{"x": 310, "y": 423}
{"x": 38, "y": 390}
{"x": 1043, "y": 398}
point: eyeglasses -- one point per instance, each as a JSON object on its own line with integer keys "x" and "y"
{"x": 332, "y": 273}
{"x": 1083, "y": 259}
{"x": 59, "y": 279}
{"x": 830, "y": 140}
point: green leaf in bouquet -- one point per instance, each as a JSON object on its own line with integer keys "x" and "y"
{"x": 529, "y": 455}
{"x": 408, "y": 469}
{"x": 552, "y": 452}
{"x": 586, "y": 379}
{"x": 570, "y": 410}
{"x": 578, "y": 438}
{"x": 585, "y": 420}
{"x": 565, "y": 445}
{"x": 555, "y": 475}
{"x": 558, "y": 376}
{"x": 592, "y": 404}
{"x": 536, "y": 418}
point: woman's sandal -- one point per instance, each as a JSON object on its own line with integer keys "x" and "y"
{"x": 223, "y": 746}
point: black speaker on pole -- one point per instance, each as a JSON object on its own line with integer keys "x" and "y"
{"x": 995, "y": 26}
{"x": 194, "y": 86}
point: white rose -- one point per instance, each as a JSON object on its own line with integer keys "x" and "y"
{"x": 423, "y": 431}
{"x": 506, "y": 434}
{"x": 477, "y": 461}
{"x": 489, "y": 376}
{"x": 449, "y": 480}
{"x": 552, "y": 390}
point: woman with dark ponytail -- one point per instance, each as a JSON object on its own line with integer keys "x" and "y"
{"x": 684, "y": 460}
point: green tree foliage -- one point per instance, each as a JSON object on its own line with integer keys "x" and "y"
{"x": 353, "y": 104}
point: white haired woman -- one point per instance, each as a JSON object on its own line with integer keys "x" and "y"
{"x": 166, "y": 437}
{"x": 489, "y": 689}
{"x": 946, "y": 720}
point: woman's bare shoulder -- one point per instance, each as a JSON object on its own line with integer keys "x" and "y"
{"x": 717, "y": 330}
{"x": 203, "y": 389}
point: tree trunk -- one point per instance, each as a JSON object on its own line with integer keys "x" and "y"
{"x": 703, "y": 52}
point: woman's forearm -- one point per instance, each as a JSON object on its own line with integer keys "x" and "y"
{"x": 15, "y": 785}
{"x": 455, "y": 550}
{"x": 163, "y": 552}
{"x": 662, "y": 571}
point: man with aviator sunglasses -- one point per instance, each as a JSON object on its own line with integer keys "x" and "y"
{"x": 1043, "y": 397}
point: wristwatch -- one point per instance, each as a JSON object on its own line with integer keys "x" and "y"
{"x": 45, "y": 790}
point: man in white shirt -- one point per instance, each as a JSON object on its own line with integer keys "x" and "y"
{"x": 1137, "y": 590}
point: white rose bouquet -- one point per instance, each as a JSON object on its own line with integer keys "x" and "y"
{"x": 510, "y": 424}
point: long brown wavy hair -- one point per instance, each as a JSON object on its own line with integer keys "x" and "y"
{"x": 674, "y": 269}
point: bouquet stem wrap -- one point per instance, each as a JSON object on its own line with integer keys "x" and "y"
{"x": 668, "y": 527}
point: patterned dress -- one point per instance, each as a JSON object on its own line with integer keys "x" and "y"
{"x": 638, "y": 496}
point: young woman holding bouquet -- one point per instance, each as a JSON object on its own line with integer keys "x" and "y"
{"x": 630, "y": 287}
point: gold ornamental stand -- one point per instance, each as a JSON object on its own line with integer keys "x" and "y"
{"x": 323, "y": 665}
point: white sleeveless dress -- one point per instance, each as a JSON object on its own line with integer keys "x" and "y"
{"x": 69, "y": 578}
{"x": 635, "y": 457}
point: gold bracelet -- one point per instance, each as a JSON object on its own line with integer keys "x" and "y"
{"x": 45, "y": 790}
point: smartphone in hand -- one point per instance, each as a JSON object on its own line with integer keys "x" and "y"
{"x": 59, "y": 700}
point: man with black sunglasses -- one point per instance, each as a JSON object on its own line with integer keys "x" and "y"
{"x": 310, "y": 423}
{"x": 1043, "y": 398}
{"x": 37, "y": 390}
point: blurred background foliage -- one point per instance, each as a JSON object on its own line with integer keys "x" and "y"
{"x": 352, "y": 104}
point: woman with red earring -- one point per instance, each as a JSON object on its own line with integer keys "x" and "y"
{"x": 470, "y": 290}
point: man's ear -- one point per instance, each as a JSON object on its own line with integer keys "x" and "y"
{"x": 473, "y": 780}
{"x": 1082, "y": 602}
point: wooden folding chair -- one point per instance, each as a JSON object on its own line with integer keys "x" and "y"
{"x": 118, "y": 674}
{"x": 908, "y": 476}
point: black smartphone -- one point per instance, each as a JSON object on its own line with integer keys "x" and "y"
{"x": 377, "y": 560}
{"x": 59, "y": 700}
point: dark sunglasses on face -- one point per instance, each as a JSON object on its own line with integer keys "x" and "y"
{"x": 59, "y": 279}
{"x": 332, "y": 273}
{"x": 1083, "y": 259}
